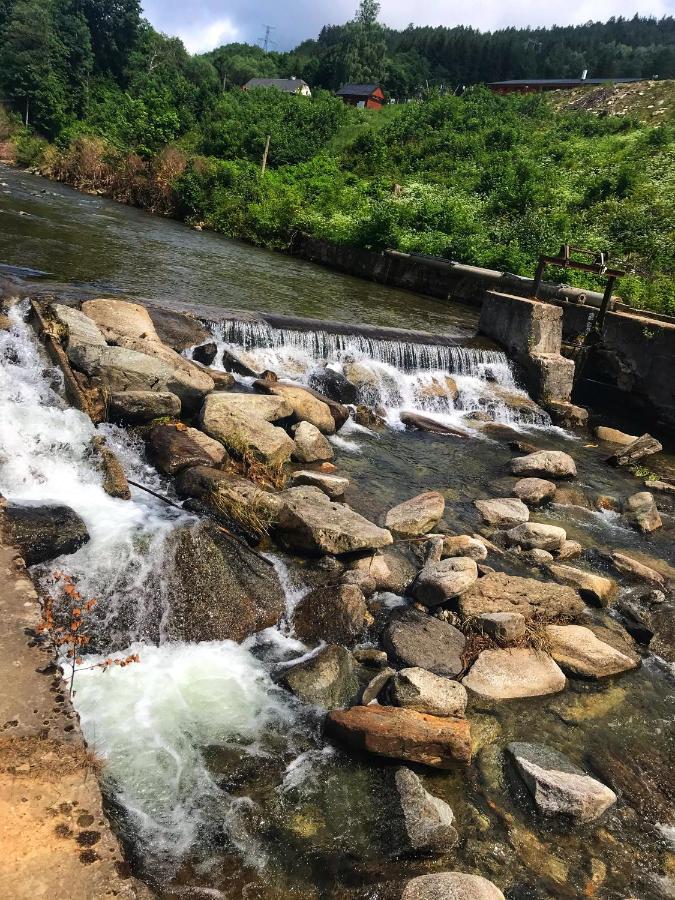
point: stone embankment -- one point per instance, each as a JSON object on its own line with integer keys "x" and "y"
{"x": 408, "y": 682}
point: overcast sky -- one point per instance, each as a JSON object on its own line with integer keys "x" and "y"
{"x": 205, "y": 24}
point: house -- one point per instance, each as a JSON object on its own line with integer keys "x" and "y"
{"x": 368, "y": 96}
{"x": 286, "y": 85}
{"x": 533, "y": 85}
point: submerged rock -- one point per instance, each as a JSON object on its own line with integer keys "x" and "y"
{"x": 427, "y": 820}
{"x": 403, "y": 734}
{"x": 418, "y": 640}
{"x": 498, "y": 592}
{"x": 534, "y": 491}
{"x": 557, "y": 786}
{"x": 417, "y": 422}
{"x": 138, "y": 407}
{"x": 641, "y": 512}
{"x": 41, "y": 533}
{"x": 450, "y": 886}
{"x": 503, "y": 511}
{"x": 328, "y": 679}
{"x": 417, "y": 689}
{"x": 594, "y": 587}
{"x": 551, "y": 463}
{"x": 310, "y": 521}
{"x": 510, "y": 674}
{"x": 441, "y": 581}
{"x": 310, "y": 444}
{"x": 416, "y": 516}
{"x": 579, "y": 652}
{"x": 635, "y": 569}
{"x": 643, "y": 446}
{"x": 334, "y": 613}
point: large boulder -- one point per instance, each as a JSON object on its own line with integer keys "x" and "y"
{"x": 306, "y": 407}
{"x": 310, "y": 444}
{"x": 121, "y": 319}
{"x": 535, "y": 536}
{"x": 250, "y": 406}
{"x": 450, "y": 886}
{"x": 333, "y": 486}
{"x": 334, "y": 613}
{"x": 205, "y": 353}
{"x": 464, "y": 545}
{"x": 219, "y": 589}
{"x": 545, "y": 463}
{"x": 426, "y": 820}
{"x": 333, "y": 385}
{"x": 633, "y": 568}
{"x": 41, "y": 533}
{"x": 416, "y": 516}
{"x": 441, "y": 743}
{"x": 534, "y": 491}
{"x": 328, "y": 678}
{"x": 415, "y": 639}
{"x": 514, "y": 673}
{"x": 499, "y": 592}
{"x": 557, "y": 786}
{"x": 172, "y": 449}
{"x": 579, "y": 652}
{"x": 242, "y": 432}
{"x": 79, "y": 328}
{"x": 417, "y": 689}
{"x": 503, "y": 511}
{"x": 643, "y": 446}
{"x": 311, "y": 522}
{"x": 596, "y": 588}
{"x": 441, "y": 581}
{"x": 212, "y": 448}
{"x": 640, "y": 510}
{"x": 393, "y": 569}
{"x": 138, "y": 407}
{"x": 177, "y": 329}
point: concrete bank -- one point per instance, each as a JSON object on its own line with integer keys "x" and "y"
{"x": 56, "y": 840}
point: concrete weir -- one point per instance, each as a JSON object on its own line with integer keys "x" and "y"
{"x": 55, "y": 838}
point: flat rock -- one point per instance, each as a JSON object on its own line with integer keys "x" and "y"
{"x": 499, "y": 592}
{"x": 545, "y": 463}
{"x": 579, "y": 652}
{"x": 503, "y": 511}
{"x": 328, "y": 678}
{"x": 513, "y": 673}
{"x": 310, "y": 444}
{"x": 258, "y": 406}
{"x": 427, "y": 820}
{"x": 535, "y": 536}
{"x": 416, "y": 516}
{"x": 557, "y": 786}
{"x": 212, "y": 448}
{"x": 450, "y": 886}
{"x": 42, "y": 533}
{"x": 417, "y": 422}
{"x": 334, "y": 613}
{"x": 635, "y": 569}
{"x": 645, "y": 445}
{"x": 534, "y": 491}
{"x": 80, "y": 329}
{"x": 417, "y": 689}
{"x": 613, "y": 436}
{"x": 504, "y": 627}
{"x": 305, "y": 405}
{"x": 172, "y": 449}
{"x": 138, "y": 407}
{"x": 441, "y": 581}
{"x": 333, "y": 486}
{"x": 310, "y": 521}
{"x": 418, "y": 640}
{"x": 178, "y": 330}
{"x": 433, "y": 741}
{"x": 121, "y": 319}
{"x": 640, "y": 510}
{"x": 464, "y": 545}
{"x": 244, "y": 432}
{"x": 593, "y": 587}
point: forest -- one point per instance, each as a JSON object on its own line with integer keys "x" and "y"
{"x": 96, "y": 97}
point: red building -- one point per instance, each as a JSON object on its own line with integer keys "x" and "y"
{"x": 366, "y": 96}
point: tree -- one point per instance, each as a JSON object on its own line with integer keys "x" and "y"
{"x": 78, "y": 58}
{"x": 114, "y": 27}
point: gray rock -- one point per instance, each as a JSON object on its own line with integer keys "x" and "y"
{"x": 334, "y": 613}
{"x": 464, "y": 545}
{"x": 592, "y": 587}
{"x": 498, "y": 592}
{"x": 80, "y": 329}
{"x": 42, "y": 533}
{"x": 537, "y": 557}
{"x": 306, "y": 406}
{"x": 641, "y": 512}
{"x": 333, "y": 486}
{"x": 441, "y": 581}
{"x": 504, "y": 627}
{"x": 371, "y": 657}
{"x": 645, "y": 445}
{"x": 416, "y": 639}
{"x": 328, "y": 679}
{"x": 451, "y": 886}
{"x": 579, "y": 652}
{"x": 514, "y": 673}
{"x": 633, "y": 568}
{"x": 333, "y": 385}
{"x": 557, "y": 786}
{"x": 394, "y": 569}
{"x": 365, "y": 582}
{"x": 418, "y": 689}
{"x": 427, "y": 820}
{"x": 311, "y": 522}
{"x": 310, "y": 444}
{"x": 534, "y": 536}
{"x": 416, "y": 516}
{"x": 545, "y": 463}
{"x": 251, "y": 406}
{"x": 376, "y": 686}
{"x": 138, "y": 407}
{"x": 534, "y": 491}
{"x": 503, "y": 511}
{"x": 212, "y": 448}
{"x": 178, "y": 330}
{"x": 246, "y": 432}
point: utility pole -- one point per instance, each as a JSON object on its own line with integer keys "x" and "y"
{"x": 265, "y": 154}
{"x": 265, "y": 41}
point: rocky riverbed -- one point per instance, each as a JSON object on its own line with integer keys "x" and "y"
{"x": 369, "y": 667}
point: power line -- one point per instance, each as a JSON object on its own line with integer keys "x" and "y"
{"x": 265, "y": 41}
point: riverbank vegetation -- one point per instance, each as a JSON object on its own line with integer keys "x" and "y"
{"x": 480, "y": 178}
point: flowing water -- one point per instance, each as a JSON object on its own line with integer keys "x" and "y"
{"x": 220, "y": 784}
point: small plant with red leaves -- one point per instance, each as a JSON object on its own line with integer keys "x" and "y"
{"x": 64, "y": 622}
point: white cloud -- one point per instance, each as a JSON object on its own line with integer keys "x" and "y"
{"x": 199, "y": 38}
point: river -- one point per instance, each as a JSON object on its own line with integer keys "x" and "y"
{"x": 221, "y": 784}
